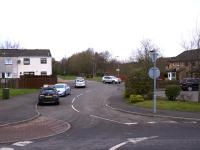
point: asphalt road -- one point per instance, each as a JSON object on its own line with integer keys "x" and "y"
{"x": 97, "y": 127}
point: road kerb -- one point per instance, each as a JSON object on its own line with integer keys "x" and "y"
{"x": 153, "y": 115}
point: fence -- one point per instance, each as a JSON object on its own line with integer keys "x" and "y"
{"x": 29, "y": 81}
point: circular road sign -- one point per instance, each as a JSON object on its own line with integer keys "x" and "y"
{"x": 151, "y": 72}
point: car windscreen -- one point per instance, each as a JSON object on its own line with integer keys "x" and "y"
{"x": 48, "y": 91}
{"x": 80, "y": 80}
{"x": 59, "y": 86}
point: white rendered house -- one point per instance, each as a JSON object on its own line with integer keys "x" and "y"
{"x": 16, "y": 62}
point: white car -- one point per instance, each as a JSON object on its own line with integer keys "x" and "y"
{"x": 80, "y": 82}
{"x": 107, "y": 79}
{"x": 116, "y": 80}
{"x": 111, "y": 79}
{"x": 62, "y": 89}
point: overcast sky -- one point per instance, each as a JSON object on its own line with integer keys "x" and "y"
{"x": 70, "y": 26}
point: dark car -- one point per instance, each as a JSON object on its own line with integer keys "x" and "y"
{"x": 48, "y": 95}
{"x": 190, "y": 84}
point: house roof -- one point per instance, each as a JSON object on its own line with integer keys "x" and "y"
{"x": 189, "y": 55}
{"x": 25, "y": 52}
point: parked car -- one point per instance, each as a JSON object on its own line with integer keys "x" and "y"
{"x": 111, "y": 79}
{"x": 80, "y": 82}
{"x": 48, "y": 95}
{"x": 116, "y": 80}
{"x": 107, "y": 79}
{"x": 190, "y": 84}
{"x": 63, "y": 89}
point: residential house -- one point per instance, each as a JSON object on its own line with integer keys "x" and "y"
{"x": 17, "y": 62}
{"x": 186, "y": 64}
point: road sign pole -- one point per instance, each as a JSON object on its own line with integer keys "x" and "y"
{"x": 154, "y": 88}
{"x": 154, "y": 56}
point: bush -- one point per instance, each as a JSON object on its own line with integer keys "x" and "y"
{"x": 136, "y": 98}
{"x": 138, "y": 83}
{"x": 149, "y": 96}
{"x": 172, "y": 91}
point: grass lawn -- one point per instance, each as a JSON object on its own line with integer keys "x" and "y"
{"x": 98, "y": 79}
{"x": 74, "y": 77}
{"x": 17, "y": 92}
{"x": 171, "y": 105}
{"x": 67, "y": 77}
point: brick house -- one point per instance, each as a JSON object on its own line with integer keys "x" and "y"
{"x": 186, "y": 64}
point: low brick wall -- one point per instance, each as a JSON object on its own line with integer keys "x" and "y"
{"x": 184, "y": 95}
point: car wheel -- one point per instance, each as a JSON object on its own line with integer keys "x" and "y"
{"x": 189, "y": 88}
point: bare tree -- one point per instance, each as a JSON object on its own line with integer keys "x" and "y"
{"x": 143, "y": 56}
{"x": 9, "y": 45}
{"x": 194, "y": 43}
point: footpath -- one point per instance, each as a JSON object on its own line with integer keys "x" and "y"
{"x": 119, "y": 103}
{"x": 18, "y": 109}
{"x": 20, "y": 120}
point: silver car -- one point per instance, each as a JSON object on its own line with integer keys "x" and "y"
{"x": 80, "y": 82}
{"x": 63, "y": 89}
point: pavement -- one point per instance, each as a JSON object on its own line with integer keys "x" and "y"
{"x": 18, "y": 109}
{"x": 119, "y": 103}
{"x": 19, "y": 119}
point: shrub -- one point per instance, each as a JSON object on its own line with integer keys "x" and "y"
{"x": 172, "y": 91}
{"x": 136, "y": 98}
{"x": 149, "y": 95}
{"x": 138, "y": 83}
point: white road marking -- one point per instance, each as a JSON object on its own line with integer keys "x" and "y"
{"x": 23, "y": 143}
{"x": 133, "y": 123}
{"x": 75, "y": 109}
{"x": 119, "y": 145}
{"x": 133, "y": 141}
{"x": 73, "y": 100}
{"x": 152, "y": 122}
{"x": 79, "y": 95}
{"x": 193, "y": 122}
{"x": 6, "y": 148}
{"x": 106, "y": 119}
{"x": 112, "y": 120}
{"x": 136, "y": 140}
{"x": 170, "y": 121}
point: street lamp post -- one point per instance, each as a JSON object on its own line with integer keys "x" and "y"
{"x": 118, "y": 70}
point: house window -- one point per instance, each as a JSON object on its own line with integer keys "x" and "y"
{"x": 8, "y": 75}
{"x": 29, "y": 73}
{"x": 26, "y": 61}
{"x": 173, "y": 74}
{"x": 43, "y": 73}
{"x": 8, "y": 61}
{"x": 43, "y": 60}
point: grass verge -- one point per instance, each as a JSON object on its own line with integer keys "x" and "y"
{"x": 67, "y": 77}
{"x": 171, "y": 105}
{"x": 98, "y": 79}
{"x": 18, "y": 92}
